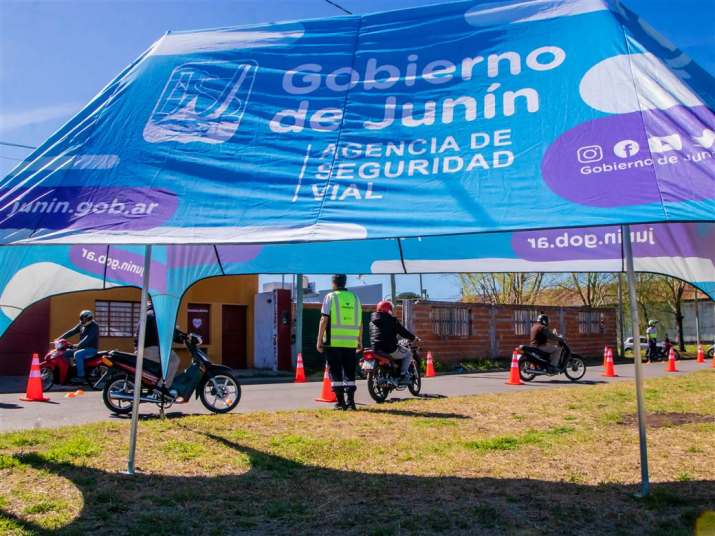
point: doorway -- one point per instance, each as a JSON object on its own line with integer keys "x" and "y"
{"x": 233, "y": 336}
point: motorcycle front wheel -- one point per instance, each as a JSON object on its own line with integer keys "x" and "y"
{"x": 220, "y": 393}
{"x": 575, "y": 369}
{"x": 525, "y": 376}
{"x": 118, "y": 384}
{"x": 378, "y": 389}
{"x": 416, "y": 384}
{"x": 48, "y": 378}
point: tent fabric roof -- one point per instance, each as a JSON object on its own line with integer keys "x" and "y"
{"x": 440, "y": 120}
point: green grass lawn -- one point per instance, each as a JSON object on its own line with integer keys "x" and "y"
{"x": 557, "y": 462}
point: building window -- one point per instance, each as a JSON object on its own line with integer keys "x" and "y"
{"x": 116, "y": 318}
{"x": 590, "y": 322}
{"x": 451, "y": 321}
{"x": 199, "y": 320}
{"x": 523, "y": 318}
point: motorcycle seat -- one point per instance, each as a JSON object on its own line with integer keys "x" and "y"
{"x": 152, "y": 367}
{"x": 536, "y": 351}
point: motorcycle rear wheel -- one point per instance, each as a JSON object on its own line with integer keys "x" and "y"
{"x": 377, "y": 391}
{"x": 48, "y": 378}
{"x": 220, "y": 393}
{"x": 525, "y": 376}
{"x": 122, "y": 384}
{"x": 575, "y": 368}
{"x": 416, "y": 384}
{"x": 95, "y": 375}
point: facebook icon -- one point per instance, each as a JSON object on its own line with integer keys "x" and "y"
{"x": 626, "y": 148}
{"x": 202, "y": 102}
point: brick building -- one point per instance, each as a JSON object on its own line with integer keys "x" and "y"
{"x": 459, "y": 331}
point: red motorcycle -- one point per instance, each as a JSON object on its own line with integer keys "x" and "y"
{"x": 383, "y": 373}
{"x": 58, "y": 367}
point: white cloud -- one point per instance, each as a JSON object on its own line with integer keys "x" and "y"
{"x": 25, "y": 118}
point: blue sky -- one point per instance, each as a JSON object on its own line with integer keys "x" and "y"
{"x": 55, "y": 55}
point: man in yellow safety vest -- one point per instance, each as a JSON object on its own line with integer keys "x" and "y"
{"x": 340, "y": 338}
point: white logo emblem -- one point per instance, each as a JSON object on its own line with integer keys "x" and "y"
{"x": 626, "y": 148}
{"x": 196, "y": 322}
{"x": 589, "y": 153}
{"x": 663, "y": 144}
{"x": 202, "y": 102}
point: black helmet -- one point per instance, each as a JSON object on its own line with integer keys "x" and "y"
{"x": 543, "y": 319}
{"x": 340, "y": 280}
{"x": 86, "y": 315}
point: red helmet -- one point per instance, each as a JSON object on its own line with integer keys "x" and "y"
{"x": 384, "y": 307}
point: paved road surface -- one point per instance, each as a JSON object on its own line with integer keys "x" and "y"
{"x": 61, "y": 411}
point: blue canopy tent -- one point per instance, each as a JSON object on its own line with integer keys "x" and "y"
{"x": 406, "y": 132}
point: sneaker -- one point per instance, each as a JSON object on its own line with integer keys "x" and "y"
{"x": 340, "y": 406}
{"x": 351, "y": 406}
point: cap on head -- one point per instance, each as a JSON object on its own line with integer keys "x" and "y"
{"x": 340, "y": 280}
{"x": 652, "y": 322}
{"x": 543, "y": 319}
{"x": 384, "y": 307}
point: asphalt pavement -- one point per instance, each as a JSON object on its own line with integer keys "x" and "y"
{"x": 61, "y": 411}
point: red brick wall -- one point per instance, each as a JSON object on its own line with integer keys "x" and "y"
{"x": 493, "y": 334}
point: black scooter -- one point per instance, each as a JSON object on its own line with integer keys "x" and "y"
{"x": 533, "y": 362}
{"x": 215, "y": 385}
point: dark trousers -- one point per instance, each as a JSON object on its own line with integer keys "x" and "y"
{"x": 342, "y": 363}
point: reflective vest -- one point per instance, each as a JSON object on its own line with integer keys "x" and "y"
{"x": 651, "y": 333}
{"x": 345, "y": 319}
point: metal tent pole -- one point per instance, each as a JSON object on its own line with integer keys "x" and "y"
{"x": 140, "y": 362}
{"x": 628, "y": 251}
{"x": 393, "y": 288}
{"x": 299, "y": 316}
{"x": 621, "y": 320}
{"x": 697, "y": 319}
{"x": 422, "y": 289}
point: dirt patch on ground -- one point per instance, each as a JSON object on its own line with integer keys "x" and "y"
{"x": 661, "y": 420}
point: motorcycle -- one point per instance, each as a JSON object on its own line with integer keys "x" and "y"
{"x": 59, "y": 367}
{"x": 383, "y": 373}
{"x": 662, "y": 353}
{"x": 215, "y": 385}
{"x": 533, "y": 362}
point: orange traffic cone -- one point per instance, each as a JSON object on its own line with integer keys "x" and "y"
{"x": 610, "y": 370}
{"x": 514, "y": 378}
{"x": 430, "y": 372}
{"x": 671, "y": 362}
{"x": 605, "y": 356}
{"x": 701, "y": 354}
{"x": 299, "y": 370}
{"x": 326, "y": 392}
{"x": 34, "y": 383}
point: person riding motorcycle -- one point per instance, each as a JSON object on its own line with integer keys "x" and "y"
{"x": 651, "y": 334}
{"x": 543, "y": 339}
{"x": 151, "y": 346}
{"x": 384, "y": 330}
{"x": 86, "y": 348}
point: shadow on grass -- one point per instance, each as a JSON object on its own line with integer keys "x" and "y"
{"x": 412, "y": 413}
{"x": 277, "y": 495}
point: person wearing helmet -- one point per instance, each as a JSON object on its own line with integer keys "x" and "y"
{"x": 651, "y": 334}
{"x": 86, "y": 348}
{"x": 340, "y": 336}
{"x": 546, "y": 340}
{"x": 384, "y": 330}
